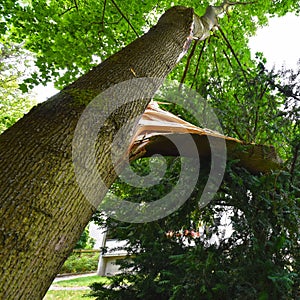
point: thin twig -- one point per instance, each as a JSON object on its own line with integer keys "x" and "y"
{"x": 283, "y": 91}
{"x": 217, "y": 68}
{"x": 68, "y": 10}
{"x": 198, "y": 62}
{"x": 243, "y": 107}
{"x": 188, "y": 63}
{"x": 103, "y": 13}
{"x": 119, "y": 10}
{"x": 237, "y": 99}
{"x": 256, "y": 121}
{"x": 234, "y": 54}
{"x": 262, "y": 92}
{"x": 242, "y": 3}
{"x": 240, "y": 136}
{"x": 294, "y": 161}
{"x": 228, "y": 59}
{"x": 76, "y": 5}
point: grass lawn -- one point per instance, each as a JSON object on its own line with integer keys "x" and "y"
{"x": 82, "y": 281}
{"x": 75, "y": 294}
{"x": 67, "y": 295}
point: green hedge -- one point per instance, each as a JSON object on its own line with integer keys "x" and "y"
{"x": 80, "y": 262}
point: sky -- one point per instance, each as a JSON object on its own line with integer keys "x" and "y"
{"x": 42, "y": 93}
{"x": 279, "y": 41}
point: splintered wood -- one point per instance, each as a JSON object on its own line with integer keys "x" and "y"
{"x": 157, "y": 128}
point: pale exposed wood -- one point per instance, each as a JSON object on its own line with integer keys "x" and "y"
{"x": 157, "y": 126}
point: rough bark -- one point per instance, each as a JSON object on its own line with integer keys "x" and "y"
{"x": 43, "y": 210}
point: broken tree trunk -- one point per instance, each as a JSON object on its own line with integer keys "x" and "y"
{"x": 42, "y": 208}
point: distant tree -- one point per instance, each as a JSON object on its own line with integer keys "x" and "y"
{"x": 85, "y": 241}
{"x": 13, "y": 103}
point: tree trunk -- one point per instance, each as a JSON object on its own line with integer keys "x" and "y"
{"x": 43, "y": 210}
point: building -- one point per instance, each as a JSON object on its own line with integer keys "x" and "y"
{"x": 107, "y": 261}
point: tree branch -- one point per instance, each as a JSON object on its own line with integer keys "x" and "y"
{"x": 103, "y": 13}
{"x": 217, "y": 67}
{"x": 283, "y": 89}
{"x": 68, "y": 10}
{"x": 294, "y": 162}
{"x": 127, "y": 20}
{"x": 238, "y": 3}
{"x": 204, "y": 24}
{"x": 234, "y": 54}
{"x": 228, "y": 59}
{"x": 76, "y": 5}
{"x": 188, "y": 63}
{"x": 262, "y": 92}
{"x": 198, "y": 62}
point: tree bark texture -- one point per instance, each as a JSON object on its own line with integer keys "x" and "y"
{"x": 42, "y": 208}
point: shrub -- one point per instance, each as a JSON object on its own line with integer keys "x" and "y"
{"x": 80, "y": 262}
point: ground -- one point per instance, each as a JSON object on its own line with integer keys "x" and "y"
{"x": 72, "y": 287}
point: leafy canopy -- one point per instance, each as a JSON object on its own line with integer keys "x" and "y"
{"x": 69, "y": 37}
{"x": 13, "y": 103}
